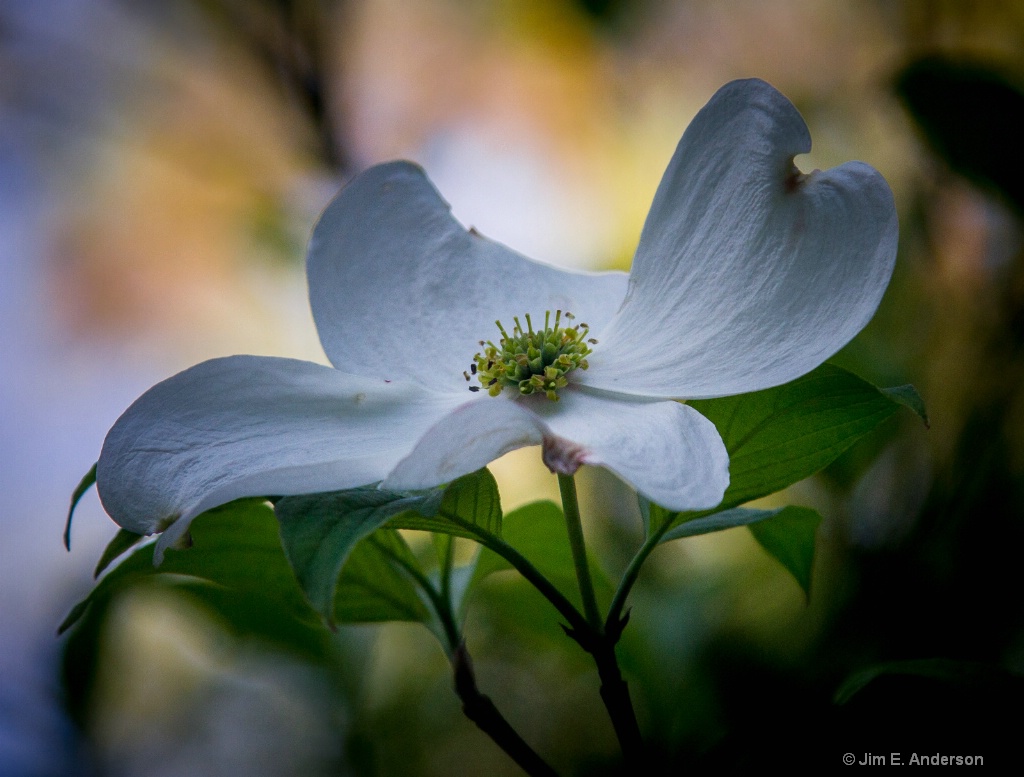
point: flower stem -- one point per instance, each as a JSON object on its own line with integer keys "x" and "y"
{"x": 571, "y": 508}
{"x": 599, "y": 639}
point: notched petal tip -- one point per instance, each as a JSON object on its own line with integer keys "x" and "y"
{"x": 796, "y": 179}
{"x": 749, "y": 272}
{"x": 561, "y": 456}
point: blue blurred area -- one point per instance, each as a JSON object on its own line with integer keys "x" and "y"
{"x": 58, "y": 393}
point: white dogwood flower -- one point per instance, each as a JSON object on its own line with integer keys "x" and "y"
{"x": 748, "y": 274}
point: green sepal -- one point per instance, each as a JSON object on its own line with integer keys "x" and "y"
{"x": 83, "y": 486}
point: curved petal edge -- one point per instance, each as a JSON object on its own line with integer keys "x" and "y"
{"x": 748, "y": 273}
{"x": 253, "y": 426}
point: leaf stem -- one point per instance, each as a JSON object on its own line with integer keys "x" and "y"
{"x": 522, "y": 565}
{"x": 571, "y": 508}
{"x": 616, "y": 698}
{"x": 599, "y": 639}
{"x": 440, "y": 603}
{"x": 629, "y": 577}
{"x": 446, "y": 567}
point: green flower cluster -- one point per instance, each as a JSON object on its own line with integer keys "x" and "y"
{"x": 532, "y": 361}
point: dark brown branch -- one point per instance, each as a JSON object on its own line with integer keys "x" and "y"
{"x": 481, "y": 710}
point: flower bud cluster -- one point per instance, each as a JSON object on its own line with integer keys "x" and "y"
{"x": 532, "y": 361}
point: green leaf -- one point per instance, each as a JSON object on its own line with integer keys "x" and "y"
{"x": 778, "y": 437}
{"x": 475, "y": 498}
{"x": 727, "y": 519}
{"x": 471, "y": 501}
{"x": 319, "y": 532}
{"x": 123, "y": 541}
{"x": 538, "y": 532}
{"x": 789, "y": 536}
{"x": 371, "y": 588}
{"x": 782, "y": 435}
{"x": 85, "y": 484}
{"x": 908, "y": 397}
{"x": 236, "y": 566}
{"x": 787, "y": 533}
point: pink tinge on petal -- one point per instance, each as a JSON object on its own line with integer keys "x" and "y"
{"x": 562, "y": 456}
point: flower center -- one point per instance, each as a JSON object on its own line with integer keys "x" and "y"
{"x": 532, "y": 360}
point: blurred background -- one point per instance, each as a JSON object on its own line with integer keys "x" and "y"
{"x": 161, "y": 166}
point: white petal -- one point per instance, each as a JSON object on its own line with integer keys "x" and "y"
{"x": 668, "y": 451}
{"x": 400, "y": 290}
{"x": 469, "y": 438}
{"x": 746, "y": 276}
{"x": 254, "y": 426}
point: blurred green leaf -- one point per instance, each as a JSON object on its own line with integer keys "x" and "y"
{"x": 236, "y": 566}
{"x": 319, "y": 532}
{"x": 86, "y": 483}
{"x": 789, "y": 536}
{"x": 123, "y": 541}
{"x": 972, "y": 116}
{"x": 782, "y": 435}
{"x": 908, "y": 397}
{"x": 444, "y": 549}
